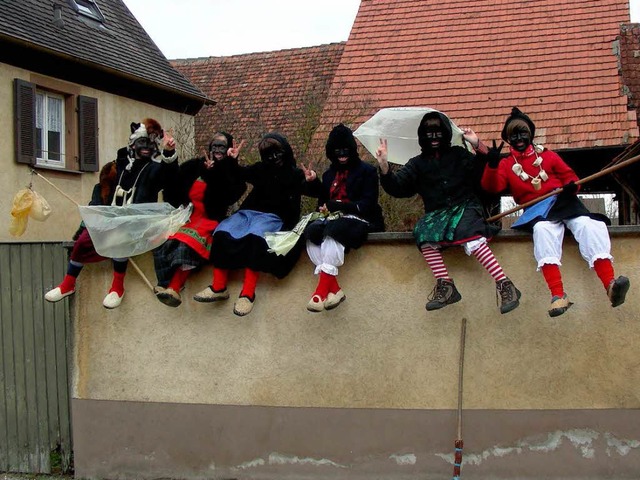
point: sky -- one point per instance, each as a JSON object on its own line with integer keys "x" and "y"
{"x": 206, "y": 28}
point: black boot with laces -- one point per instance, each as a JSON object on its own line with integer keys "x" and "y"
{"x": 443, "y": 294}
{"x": 508, "y": 295}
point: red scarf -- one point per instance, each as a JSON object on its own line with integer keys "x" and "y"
{"x": 338, "y": 190}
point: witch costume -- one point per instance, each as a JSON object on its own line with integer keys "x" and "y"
{"x": 447, "y": 179}
{"x": 348, "y": 194}
{"x": 140, "y": 171}
{"x": 272, "y": 205}
{"x": 211, "y": 184}
{"x": 530, "y": 171}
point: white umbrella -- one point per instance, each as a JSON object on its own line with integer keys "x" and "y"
{"x": 120, "y": 232}
{"x": 399, "y": 126}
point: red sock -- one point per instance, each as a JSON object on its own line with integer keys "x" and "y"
{"x": 178, "y": 279}
{"x": 604, "y": 269}
{"x": 333, "y": 286}
{"x": 117, "y": 285}
{"x": 324, "y": 282}
{"x": 553, "y": 278}
{"x": 219, "y": 282}
{"x": 68, "y": 283}
{"x": 250, "y": 282}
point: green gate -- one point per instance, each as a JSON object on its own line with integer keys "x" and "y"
{"x": 35, "y": 348}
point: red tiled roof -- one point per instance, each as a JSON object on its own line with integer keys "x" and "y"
{"x": 476, "y": 60}
{"x": 630, "y": 62}
{"x": 257, "y": 93}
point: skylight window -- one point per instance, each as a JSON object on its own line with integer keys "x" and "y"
{"x": 87, "y": 8}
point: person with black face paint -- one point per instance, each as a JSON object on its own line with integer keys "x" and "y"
{"x": 447, "y": 178}
{"x": 530, "y": 171}
{"x": 272, "y": 205}
{"x": 141, "y": 170}
{"x": 211, "y": 184}
{"x": 350, "y": 187}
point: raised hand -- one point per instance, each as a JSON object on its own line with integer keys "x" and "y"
{"x": 471, "y": 137}
{"x": 234, "y": 150}
{"x": 309, "y": 174}
{"x": 494, "y": 155}
{"x": 168, "y": 142}
{"x": 381, "y": 156}
{"x": 208, "y": 162}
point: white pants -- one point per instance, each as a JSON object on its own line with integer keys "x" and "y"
{"x": 592, "y": 237}
{"x": 327, "y": 257}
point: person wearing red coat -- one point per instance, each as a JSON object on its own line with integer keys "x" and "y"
{"x": 529, "y": 172}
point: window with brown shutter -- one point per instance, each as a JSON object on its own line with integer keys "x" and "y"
{"x": 88, "y": 133}
{"x": 55, "y": 127}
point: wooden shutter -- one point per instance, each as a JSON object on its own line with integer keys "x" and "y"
{"x": 25, "y": 121}
{"x": 88, "y": 133}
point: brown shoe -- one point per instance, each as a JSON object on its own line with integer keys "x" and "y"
{"x": 508, "y": 294}
{"x": 210, "y": 295}
{"x": 443, "y": 294}
{"x": 559, "y": 305}
{"x": 617, "y": 290}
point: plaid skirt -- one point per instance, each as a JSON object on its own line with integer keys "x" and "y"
{"x": 172, "y": 255}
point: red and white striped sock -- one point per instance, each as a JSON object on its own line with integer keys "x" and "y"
{"x": 486, "y": 258}
{"x": 435, "y": 261}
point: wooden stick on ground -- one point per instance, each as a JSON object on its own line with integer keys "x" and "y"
{"x": 457, "y": 462}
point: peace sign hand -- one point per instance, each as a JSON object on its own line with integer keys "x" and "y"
{"x": 381, "y": 156}
{"x": 234, "y": 151}
{"x": 309, "y": 174}
{"x": 208, "y": 163}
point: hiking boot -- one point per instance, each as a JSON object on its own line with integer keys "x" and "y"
{"x": 508, "y": 294}
{"x": 443, "y": 294}
{"x": 210, "y": 295}
{"x": 559, "y": 305}
{"x": 617, "y": 290}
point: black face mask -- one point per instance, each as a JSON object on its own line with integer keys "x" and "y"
{"x": 342, "y": 152}
{"x": 433, "y": 138}
{"x": 218, "y": 147}
{"x": 144, "y": 147}
{"x": 272, "y": 156}
{"x": 520, "y": 140}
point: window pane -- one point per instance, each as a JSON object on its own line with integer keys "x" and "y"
{"x": 38, "y": 143}
{"x": 54, "y": 114}
{"x": 54, "y": 145}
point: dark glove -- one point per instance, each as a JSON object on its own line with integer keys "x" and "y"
{"x": 494, "y": 156}
{"x": 569, "y": 190}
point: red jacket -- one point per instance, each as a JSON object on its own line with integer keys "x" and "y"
{"x": 496, "y": 180}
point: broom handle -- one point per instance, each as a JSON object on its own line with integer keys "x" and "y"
{"x": 133, "y": 263}
{"x": 599, "y": 174}
{"x": 463, "y": 334}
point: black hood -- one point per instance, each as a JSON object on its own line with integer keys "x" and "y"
{"x": 341, "y": 137}
{"x": 516, "y": 114}
{"x": 446, "y": 129}
{"x": 226, "y": 135}
{"x": 288, "y": 160}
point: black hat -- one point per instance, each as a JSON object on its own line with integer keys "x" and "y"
{"x": 516, "y": 114}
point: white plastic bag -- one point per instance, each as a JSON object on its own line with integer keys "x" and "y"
{"x": 120, "y": 232}
{"x": 399, "y": 126}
